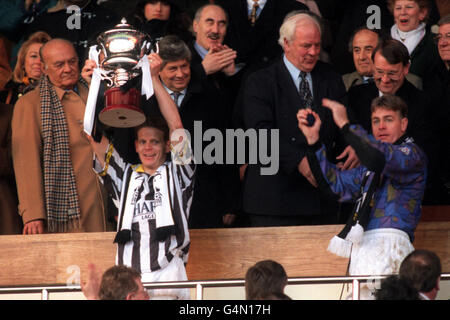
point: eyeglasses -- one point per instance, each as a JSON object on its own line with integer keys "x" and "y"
{"x": 441, "y": 36}
{"x": 393, "y": 75}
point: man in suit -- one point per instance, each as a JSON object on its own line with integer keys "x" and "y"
{"x": 213, "y": 61}
{"x": 210, "y": 27}
{"x": 271, "y": 100}
{"x": 361, "y": 45}
{"x": 437, "y": 86}
{"x": 391, "y": 65}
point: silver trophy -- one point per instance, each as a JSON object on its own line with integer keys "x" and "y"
{"x": 121, "y": 50}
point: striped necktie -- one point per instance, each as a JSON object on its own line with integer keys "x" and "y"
{"x": 305, "y": 92}
{"x": 176, "y": 95}
{"x": 253, "y": 13}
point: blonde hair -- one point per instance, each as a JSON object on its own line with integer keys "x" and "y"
{"x": 423, "y": 5}
{"x": 19, "y": 70}
{"x": 287, "y": 29}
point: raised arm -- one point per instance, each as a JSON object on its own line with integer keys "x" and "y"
{"x": 166, "y": 104}
{"x": 311, "y": 133}
{"x": 370, "y": 156}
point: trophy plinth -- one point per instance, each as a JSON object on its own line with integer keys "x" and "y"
{"x": 122, "y": 108}
{"x": 122, "y": 48}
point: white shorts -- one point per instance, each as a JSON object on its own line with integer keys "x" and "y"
{"x": 174, "y": 271}
{"x": 380, "y": 252}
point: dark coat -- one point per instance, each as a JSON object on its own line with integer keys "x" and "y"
{"x": 226, "y": 87}
{"x": 424, "y": 55}
{"x": 10, "y": 222}
{"x": 271, "y": 101}
{"x": 94, "y": 20}
{"x": 257, "y": 46}
{"x": 437, "y": 86}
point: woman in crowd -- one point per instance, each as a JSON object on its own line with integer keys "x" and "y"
{"x": 160, "y": 18}
{"x": 28, "y": 69}
{"x": 410, "y": 27}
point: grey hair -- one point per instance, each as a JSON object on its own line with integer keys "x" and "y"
{"x": 290, "y": 23}
{"x": 360, "y": 29}
{"x": 172, "y": 48}
{"x": 444, "y": 20}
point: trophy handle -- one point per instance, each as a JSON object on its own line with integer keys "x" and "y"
{"x": 147, "y": 45}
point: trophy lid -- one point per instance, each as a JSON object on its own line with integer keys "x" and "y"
{"x": 122, "y": 46}
{"x": 122, "y": 26}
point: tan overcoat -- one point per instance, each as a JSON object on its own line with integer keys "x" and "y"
{"x": 27, "y": 151}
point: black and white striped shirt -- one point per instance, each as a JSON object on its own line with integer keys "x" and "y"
{"x": 145, "y": 252}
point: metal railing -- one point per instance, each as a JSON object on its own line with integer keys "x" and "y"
{"x": 199, "y": 286}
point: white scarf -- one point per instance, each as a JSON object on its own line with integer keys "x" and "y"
{"x": 163, "y": 189}
{"x": 411, "y": 38}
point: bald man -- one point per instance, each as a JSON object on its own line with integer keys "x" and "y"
{"x": 58, "y": 190}
{"x": 361, "y": 45}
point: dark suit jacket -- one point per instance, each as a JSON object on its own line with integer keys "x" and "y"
{"x": 9, "y": 215}
{"x": 419, "y": 110}
{"x": 437, "y": 86}
{"x": 271, "y": 101}
{"x": 257, "y": 46}
{"x": 226, "y": 87}
{"x": 424, "y": 55}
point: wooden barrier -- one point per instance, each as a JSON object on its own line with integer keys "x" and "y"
{"x": 215, "y": 253}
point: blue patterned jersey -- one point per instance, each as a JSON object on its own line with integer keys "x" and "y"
{"x": 397, "y": 199}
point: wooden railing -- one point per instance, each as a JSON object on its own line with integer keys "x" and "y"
{"x": 215, "y": 253}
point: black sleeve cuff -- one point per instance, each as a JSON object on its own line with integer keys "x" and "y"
{"x": 314, "y": 147}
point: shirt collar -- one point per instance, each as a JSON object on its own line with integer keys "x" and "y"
{"x": 200, "y": 50}
{"x": 423, "y": 297}
{"x": 79, "y": 90}
{"x": 182, "y": 92}
{"x": 139, "y": 168}
{"x": 404, "y": 138}
{"x": 261, "y": 3}
{"x": 295, "y": 72}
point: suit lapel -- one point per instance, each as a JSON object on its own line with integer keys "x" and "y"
{"x": 287, "y": 86}
{"x": 266, "y": 13}
{"x": 193, "y": 88}
{"x": 318, "y": 89}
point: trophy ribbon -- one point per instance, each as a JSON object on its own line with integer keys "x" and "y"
{"x": 147, "y": 84}
{"x": 89, "y": 113}
{"x": 97, "y": 75}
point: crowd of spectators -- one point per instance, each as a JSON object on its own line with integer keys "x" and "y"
{"x": 231, "y": 64}
{"x": 226, "y": 49}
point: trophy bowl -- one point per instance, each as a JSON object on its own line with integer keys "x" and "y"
{"x": 122, "y": 47}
